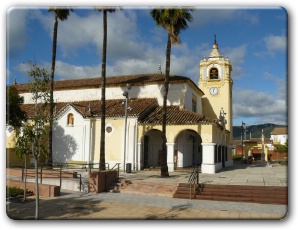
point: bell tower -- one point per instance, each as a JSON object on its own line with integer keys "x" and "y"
{"x": 216, "y": 83}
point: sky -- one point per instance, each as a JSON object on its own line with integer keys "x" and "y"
{"x": 254, "y": 38}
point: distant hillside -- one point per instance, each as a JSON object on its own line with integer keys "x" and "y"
{"x": 254, "y": 131}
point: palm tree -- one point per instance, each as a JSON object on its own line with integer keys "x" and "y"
{"x": 173, "y": 20}
{"x": 102, "y": 159}
{"x": 60, "y": 14}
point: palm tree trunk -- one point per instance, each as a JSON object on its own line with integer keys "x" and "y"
{"x": 103, "y": 93}
{"x": 50, "y": 150}
{"x": 164, "y": 166}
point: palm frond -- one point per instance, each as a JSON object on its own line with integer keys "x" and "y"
{"x": 173, "y": 20}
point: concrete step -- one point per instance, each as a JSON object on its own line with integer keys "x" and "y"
{"x": 255, "y": 194}
{"x": 260, "y": 200}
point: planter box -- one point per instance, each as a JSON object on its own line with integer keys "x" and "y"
{"x": 101, "y": 181}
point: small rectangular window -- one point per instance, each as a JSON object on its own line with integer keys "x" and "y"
{"x": 194, "y": 103}
{"x": 70, "y": 119}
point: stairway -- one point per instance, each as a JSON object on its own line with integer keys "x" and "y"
{"x": 236, "y": 193}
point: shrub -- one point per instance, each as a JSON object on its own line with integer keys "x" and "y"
{"x": 284, "y": 162}
{"x": 14, "y": 191}
{"x": 237, "y": 157}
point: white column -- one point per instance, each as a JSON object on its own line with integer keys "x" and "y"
{"x": 139, "y": 154}
{"x": 88, "y": 144}
{"x": 170, "y": 157}
{"x": 135, "y": 146}
{"x": 229, "y": 161}
{"x": 208, "y": 162}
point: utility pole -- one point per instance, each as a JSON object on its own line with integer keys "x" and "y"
{"x": 125, "y": 94}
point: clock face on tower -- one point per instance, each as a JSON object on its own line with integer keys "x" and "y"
{"x": 213, "y": 90}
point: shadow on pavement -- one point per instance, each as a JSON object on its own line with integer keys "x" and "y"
{"x": 53, "y": 208}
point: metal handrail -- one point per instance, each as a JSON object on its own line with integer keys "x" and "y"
{"x": 194, "y": 181}
{"x": 59, "y": 171}
{"x": 118, "y": 169}
{"x": 58, "y": 168}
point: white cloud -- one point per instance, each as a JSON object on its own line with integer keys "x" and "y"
{"x": 122, "y": 34}
{"x": 236, "y": 56}
{"x": 16, "y": 31}
{"x": 267, "y": 107}
{"x": 67, "y": 71}
{"x": 132, "y": 66}
{"x": 280, "y": 83}
{"x": 127, "y": 52}
{"x": 275, "y": 43}
{"x": 71, "y": 38}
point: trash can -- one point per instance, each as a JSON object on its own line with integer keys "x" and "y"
{"x": 128, "y": 167}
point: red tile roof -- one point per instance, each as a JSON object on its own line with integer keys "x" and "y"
{"x": 114, "y": 108}
{"x": 175, "y": 115}
{"x": 113, "y": 81}
{"x": 147, "y": 111}
{"x": 30, "y": 109}
{"x": 279, "y": 131}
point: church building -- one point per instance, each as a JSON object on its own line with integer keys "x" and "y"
{"x": 199, "y": 118}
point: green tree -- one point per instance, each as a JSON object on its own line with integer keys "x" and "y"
{"x": 102, "y": 160}
{"x": 60, "y": 14}
{"x": 14, "y": 114}
{"x": 25, "y": 138}
{"x": 172, "y": 20}
{"x": 31, "y": 137}
{"x": 281, "y": 148}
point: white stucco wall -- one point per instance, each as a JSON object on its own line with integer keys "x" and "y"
{"x": 131, "y": 143}
{"x": 188, "y": 99}
{"x": 80, "y": 141}
{"x": 114, "y": 142}
{"x": 179, "y": 94}
{"x": 282, "y": 139}
{"x": 71, "y": 142}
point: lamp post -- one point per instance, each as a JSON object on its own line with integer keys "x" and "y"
{"x": 125, "y": 94}
{"x": 242, "y": 132}
{"x": 263, "y": 149}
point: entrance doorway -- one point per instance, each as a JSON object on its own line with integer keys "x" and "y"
{"x": 188, "y": 149}
{"x": 152, "y": 145}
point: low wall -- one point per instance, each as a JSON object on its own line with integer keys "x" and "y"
{"x": 44, "y": 189}
{"x": 276, "y": 156}
{"x": 101, "y": 181}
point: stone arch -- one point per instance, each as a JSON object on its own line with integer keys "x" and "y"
{"x": 187, "y": 149}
